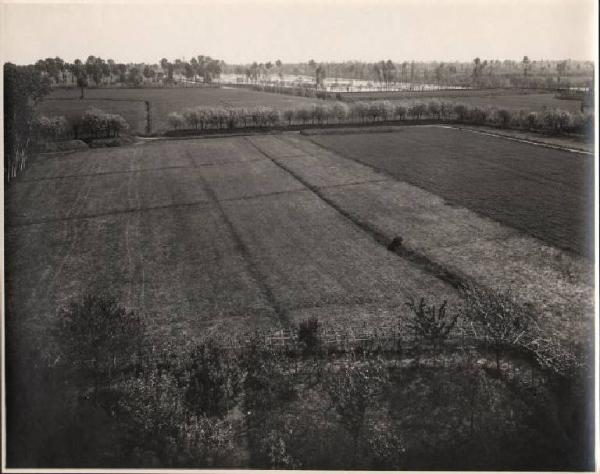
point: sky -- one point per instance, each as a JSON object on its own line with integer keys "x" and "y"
{"x": 240, "y": 32}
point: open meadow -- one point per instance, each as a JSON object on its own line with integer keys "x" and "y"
{"x": 130, "y": 103}
{"x": 507, "y": 99}
{"x": 268, "y": 230}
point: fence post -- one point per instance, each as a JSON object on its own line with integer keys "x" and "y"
{"x": 148, "y": 118}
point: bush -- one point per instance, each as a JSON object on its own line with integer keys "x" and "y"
{"x": 98, "y": 123}
{"x": 417, "y": 110}
{"x": 51, "y": 128}
{"x": 116, "y": 124}
{"x": 352, "y": 387}
{"x": 176, "y": 120}
{"x": 430, "y": 323}
{"x": 289, "y": 115}
{"x": 213, "y": 380}
{"x": 434, "y": 109}
{"x": 502, "y": 321}
{"x": 461, "y": 112}
{"x": 503, "y": 117}
{"x": 400, "y": 111}
{"x": 308, "y": 334}
{"x": 341, "y": 111}
{"x": 96, "y": 335}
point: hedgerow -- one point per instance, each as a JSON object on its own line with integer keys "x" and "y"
{"x": 552, "y": 121}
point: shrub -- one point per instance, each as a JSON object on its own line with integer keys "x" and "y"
{"x": 362, "y": 110}
{"x": 94, "y": 121}
{"x": 214, "y": 380}
{"x": 194, "y": 117}
{"x": 341, "y": 111}
{"x": 289, "y": 116}
{"x": 503, "y": 117}
{"x": 99, "y": 123}
{"x": 267, "y": 382}
{"x": 116, "y": 124}
{"x": 176, "y": 120}
{"x": 503, "y": 322}
{"x": 479, "y": 115}
{"x": 430, "y": 323}
{"x": 155, "y": 413}
{"x": 308, "y": 334}
{"x": 96, "y": 335}
{"x": 461, "y": 112}
{"x": 352, "y": 387}
{"x": 532, "y": 120}
{"x": 51, "y": 128}
{"x": 434, "y": 109}
{"x": 386, "y": 109}
{"x": 400, "y": 111}
{"x": 273, "y": 117}
{"x": 417, "y": 110}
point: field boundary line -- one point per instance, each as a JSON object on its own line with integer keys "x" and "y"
{"x": 516, "y": 139}
{"x": 258, "y": 196}
{"x": 355, "y": 183}
{"x": 253, "y": 270}
{"x": 419, "y": 260}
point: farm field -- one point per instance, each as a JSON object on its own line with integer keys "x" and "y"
{"x": 500, "y": 99}
{"x": 194, "y": 235}
{"x": 557, "y": 284}
{"x": 543, "y": 192}
{"x": 130, "y": 102}
{"x": 212, "y": 235}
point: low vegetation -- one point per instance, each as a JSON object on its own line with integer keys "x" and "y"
{"x": 352, "y": 405}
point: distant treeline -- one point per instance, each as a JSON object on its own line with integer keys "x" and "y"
{"x": 100, "y": 72}
{"x": 478, "y": 73}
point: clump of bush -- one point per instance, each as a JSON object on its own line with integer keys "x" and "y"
{"x": 431, "y": 324}
{"x": 203, "y": 403}
{"x": 96, "y": 336}
{"x": 51, "y": 128}
{"x": 100, "y": 124}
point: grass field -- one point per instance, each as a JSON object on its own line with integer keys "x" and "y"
{"x": 192, "y": 235}
{"x": 558, "y": 284}
{"x": 496, "y": 98}
{"x": 130, "y": 102}
{"x": 546, "y": 193}
{"x": 264, "y": 231}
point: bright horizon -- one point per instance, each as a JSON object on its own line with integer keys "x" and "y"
{"x": 327, "y": 31}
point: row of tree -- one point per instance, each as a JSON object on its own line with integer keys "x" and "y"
{"x": 551, "y": 120}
